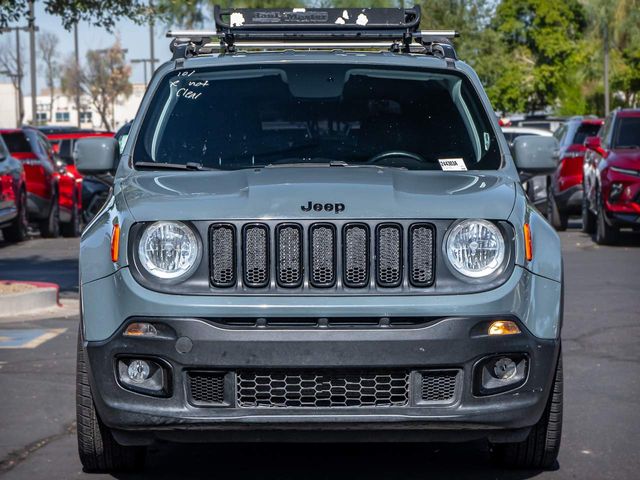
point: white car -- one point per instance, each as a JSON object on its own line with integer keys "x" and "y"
{"x": 536, "y": 187}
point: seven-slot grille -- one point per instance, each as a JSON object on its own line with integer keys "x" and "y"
{"x": 318, "y": 255}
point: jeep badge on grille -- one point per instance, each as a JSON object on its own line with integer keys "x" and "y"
{"x": 327, "y": 207}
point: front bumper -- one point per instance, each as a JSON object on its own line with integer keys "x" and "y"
{"x": 446, "y": 343}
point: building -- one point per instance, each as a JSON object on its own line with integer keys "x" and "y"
{"x": 64, "y": 112}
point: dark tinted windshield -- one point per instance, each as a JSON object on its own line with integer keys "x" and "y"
{"x": 232, "y": 119}
{"x": 585, "y": 130}
{"x": 627, "y": 134}
{"x": 17, "y": 142}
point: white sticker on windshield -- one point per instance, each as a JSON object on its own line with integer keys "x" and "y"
{"x": 452, "y": 164}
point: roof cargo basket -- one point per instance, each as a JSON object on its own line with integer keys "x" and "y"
{"x": 395, "y": 29}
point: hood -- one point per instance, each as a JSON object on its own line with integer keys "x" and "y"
{"x": 625, "y": 158}
{"x": 280, "y": 193}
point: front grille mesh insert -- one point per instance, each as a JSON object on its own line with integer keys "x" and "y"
{"x": 256, "y": 255}
{"x": 222, "y": 240}
{"x": 282, "y": 389}
{"x": 356, "y": 256}
{"x": 289, "y": 255}
{"x": 421, "y": 255}
{"x": 323, "y": 255}
{"x": 389, "y": 260}
{"x": 206, "y": 388}
{"x": 439, "y": 386}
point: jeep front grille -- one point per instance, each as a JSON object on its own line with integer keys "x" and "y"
{"x": 336, "y": 256}
{"x": 322, "y": 389}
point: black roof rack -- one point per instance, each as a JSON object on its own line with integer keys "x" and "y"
{"x": 395, "y": 29}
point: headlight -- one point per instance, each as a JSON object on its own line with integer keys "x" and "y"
{"x": 475, "y": 248}
{"x": 168, "y": 249}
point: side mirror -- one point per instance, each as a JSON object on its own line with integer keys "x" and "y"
{"x": 593, "y": 143}
{"x": 97, "y": 155}
{"x": 534, "y": 155}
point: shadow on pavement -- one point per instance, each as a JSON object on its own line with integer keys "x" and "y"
{"x": 38, "y": 268}
{"x": 273, "y": 461}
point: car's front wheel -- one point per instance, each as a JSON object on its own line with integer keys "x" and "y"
{"x": 540, "y": 449}
{"x": 18, "y": 231}
{"x": 588, "y": 218}
{"x": 605, "y": 233}
{"x": 558, "y": 219}
{"x": 50, "y": 226}
{"x": 98, "y": 450}
{"x": 73, "y": 228}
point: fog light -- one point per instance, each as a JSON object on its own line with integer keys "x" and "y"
{"x": 504, "y": 369}
{"x": 503, "y": 327}
{"x": 138, "y": 371}
{"x": 140, "y": 329}
{"x": 501, "y": 373}
{"x": 143, "y": 376}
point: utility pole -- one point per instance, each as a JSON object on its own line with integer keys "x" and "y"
{"x": 606, "y": 68}
{"x": 32, "y": 47}
{"x": 152, "y": 55}
{"x": 77, "y": 72}
{"x": 16, "y": 77}
{"x": 144, "y": 62}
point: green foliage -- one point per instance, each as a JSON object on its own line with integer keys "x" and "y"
{"x": 102, "y": 13}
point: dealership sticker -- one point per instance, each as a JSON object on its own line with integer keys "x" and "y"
{"x": 452, "y": 164}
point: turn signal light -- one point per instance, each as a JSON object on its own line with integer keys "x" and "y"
{"x": 115, "y": 242}
{"x": 504, "y": 327}
{"x": 528, "y": 248}
{"x": 140, "y": 329}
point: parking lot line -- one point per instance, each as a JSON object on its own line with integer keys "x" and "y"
{"x": 28, "y": 338}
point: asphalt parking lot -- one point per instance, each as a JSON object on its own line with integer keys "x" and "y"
{"x": 601, "y": 340}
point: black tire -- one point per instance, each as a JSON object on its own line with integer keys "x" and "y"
{"x": 559, "y": 220}
{"x": 18, "y": 231}
{"x": 605, "y": 233}
{"x": 98, "y": 450}
{"x": 588, "y": 218}
{"x": 540, "y": 449}
{"x": 73, "y": 228}
{"x": 50, "y": 227}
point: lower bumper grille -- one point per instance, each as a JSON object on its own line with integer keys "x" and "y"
{"x": 206, "y": 388}
{"x": 322, "y": 389}
{"x": 439, "y": 385}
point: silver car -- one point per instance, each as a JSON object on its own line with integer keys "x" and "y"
{"x": 317, "y": 232}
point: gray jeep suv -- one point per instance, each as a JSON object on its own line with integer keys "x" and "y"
{"x": 317, "y": 232}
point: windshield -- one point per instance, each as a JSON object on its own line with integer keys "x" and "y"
{"x": 17, "y": 142}
{"x": 585, "y": 130}
{"x": 315, "y": 113}
{"x": 627, "y": 134}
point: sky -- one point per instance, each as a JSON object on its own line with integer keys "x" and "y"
{"x": 133, "y": 37}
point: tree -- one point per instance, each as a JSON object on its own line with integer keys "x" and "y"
{"x": 48, "y": 49}
{"x": 542, "y": 38}
{"x": 103, "y": 80}
{"x": 12, "y": 66}
{"x": 102, "y": 13}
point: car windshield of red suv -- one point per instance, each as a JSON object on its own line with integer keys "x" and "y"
{"x": 17, "y": 142}
{"x": 627, "y": 134}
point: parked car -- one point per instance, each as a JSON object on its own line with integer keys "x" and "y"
{"x": 92, "y": 190}
{"x": 612, "y": 177}
{"x": 564, "y": 187}
{"x": 13, "y": 197}
{"x": 535, "y": 186}
{"x": 328, "y": 244}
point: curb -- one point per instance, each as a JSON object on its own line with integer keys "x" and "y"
{"x": 45, "y": 295}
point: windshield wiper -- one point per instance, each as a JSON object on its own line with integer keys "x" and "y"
{"x": 173, "y": 166}
{"x": 330, "y": 163}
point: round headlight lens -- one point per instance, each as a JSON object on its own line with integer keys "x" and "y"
{"x": 168, "y": 249}
{"x": 475, "y": 248}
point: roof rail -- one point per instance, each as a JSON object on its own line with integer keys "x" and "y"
{"x": 395, "y": 29}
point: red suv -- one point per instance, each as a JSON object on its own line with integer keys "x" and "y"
{"x": 612, "y": 177}
{"x": 13, "y": 197}
{"x": 52, "y": 194}
{"x": 63, "y": 145}
{"x": 564, "y": 187}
